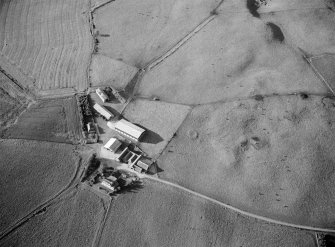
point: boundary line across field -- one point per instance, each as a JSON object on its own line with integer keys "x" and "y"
{"x": 277, "y": 222}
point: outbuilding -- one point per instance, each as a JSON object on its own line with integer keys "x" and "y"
{"x": 113, "y": 145}
{"x": 103, "y": 111}
{"x": 102, "y": 95}
{"x": 144, "y": 164}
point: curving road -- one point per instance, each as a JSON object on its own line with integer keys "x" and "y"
{"x": 278, "y": 222}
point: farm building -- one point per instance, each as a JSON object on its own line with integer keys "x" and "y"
{"x": 106, "y": 185}
{"x": 102, "y": 95}
{"x": 113, "y": 144}
{"x": 90, "y": 127}
{"x": 130, "y": 158}
{"x": 128, "y": 129}
{"x": 144, "y": 164}
{"x": 103, "y": 111}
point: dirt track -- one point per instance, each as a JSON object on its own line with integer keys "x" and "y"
{"x": 277, "y": 222}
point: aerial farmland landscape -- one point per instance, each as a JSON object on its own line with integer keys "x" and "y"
{"x": 167, "y": 123}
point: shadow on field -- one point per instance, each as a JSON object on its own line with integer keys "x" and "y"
{"x": 129, "y": 89}
{"x": 150, "y": 136}
{"x": 253, "y": 7}
{"x": 112, "y": 110}
{"x": 101, "y": 130}
{"x": 154, "y": 169}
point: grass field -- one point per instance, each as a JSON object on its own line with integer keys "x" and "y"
{"x": 49, "y": 41}
{"x": 161, "y": 216}
{"x": 271, "y": 156}
{"x": 12, "y": 101}
{"x": 161, "y": 120}
{"x": 106, "y": 71}
{"x": 144, "y": 30}
{"x": 236, "y": 55}
{"x": 49, "y": 120}
{"x": 325, "y": 65}
{"x": 73, "y": 221}
{"x": 32, "y": 172}
{"x": 311, "y": 27}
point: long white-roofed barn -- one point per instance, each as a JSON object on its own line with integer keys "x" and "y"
{"x": 129, "y": 129}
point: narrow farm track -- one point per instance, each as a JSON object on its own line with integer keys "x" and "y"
{"x": 157, "y": 61}
{"x": 97, "y": 237}
{"x": 239, "y": 211}
{"x": 51, "y": 201}
{"x": 184, "y": 40}
{"x": 49, "y": 43}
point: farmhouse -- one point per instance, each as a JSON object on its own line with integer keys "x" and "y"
{"x": 106, "y": 185}
{"x": 129, "y": 130}
{"x": 103, "y": 111}
{"x": 101, "y": 95}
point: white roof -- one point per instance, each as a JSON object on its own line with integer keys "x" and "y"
{"x": 107, "y": 185}
{"x": 101, "y": 94}
{"x": 111, "y": 124}
{"x": 113, "y": 144}
{"x": 103, "y": 111}
{"x": 129, "y": 128}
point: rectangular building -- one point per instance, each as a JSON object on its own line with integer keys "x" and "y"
{"x": 129, "y": 129}
{"x": 103, "y": 111}
{"x": 113, "y": 145}
{"x": 102, "y": 95}
{"x": 144, "y": 164}
{"x": 107, "y": 186}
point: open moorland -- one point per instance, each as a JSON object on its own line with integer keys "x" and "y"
{"x": 272, "y": 156}
{"x": 72, "y": 221}
{"x": 236, "y": 98}
{"x": 33, "y": 173}
{"x": 160, "y": 216}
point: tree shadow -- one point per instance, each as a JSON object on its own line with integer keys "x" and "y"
{"x": 134, "y": 187}
{"x": 94, "y": 164}
{"x": 330, "y": 240}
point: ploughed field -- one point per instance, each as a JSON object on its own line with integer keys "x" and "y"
{"x": 47, "y": 41}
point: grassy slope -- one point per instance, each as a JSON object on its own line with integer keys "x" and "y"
{"x": 233, "y": 56}
{"x": 160, "y": 216}
{"x": 160, "y": 119}
{"x": 72, "y": 222}
{"x": 32, "y": 172}
{"x": 49, "y": 120}
{"x": 288, "y": 174}
{"x": 143, "y": 30}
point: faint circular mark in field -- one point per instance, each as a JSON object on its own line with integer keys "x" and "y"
{"x": 193, "y": 134}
